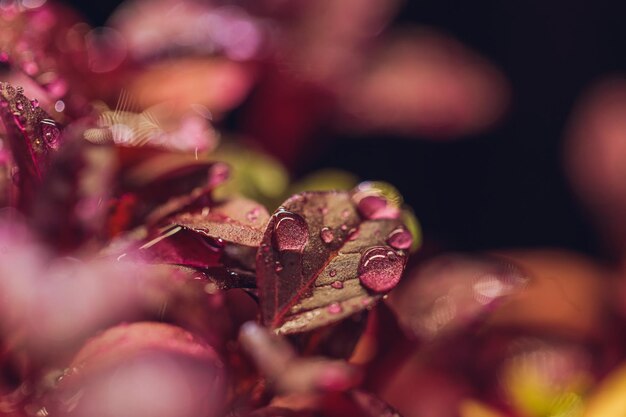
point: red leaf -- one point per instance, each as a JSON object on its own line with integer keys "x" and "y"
{"x": 222, "y": 240}
{"x": 321, "y": 261}
{"x": 450, "y": 292}
{"x": 71, "y": 205}
{"x": 115, "y": 372}
{"x": 277, "y": 361}
{"x": 32, "y": 135}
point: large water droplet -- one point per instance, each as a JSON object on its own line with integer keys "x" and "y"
{"x": 327, "y": 235}
{"x": 379, "y": 271}
{"x": 400, "y": 239}
{"x": 290, "y": 231}
{"x": 50, "y": 132}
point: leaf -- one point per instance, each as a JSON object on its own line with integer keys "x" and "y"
{"x": 450, "y": 292}
{"x": 71, "y": 206}
{"x": 321, "y": 261}
{"x": 608, "y": 397}
{"x": 222, "y": 240}
{"x": 277, "y": 361}
{"x": 116, "y": 371}
{"x": 371, "y": 405}
{"x": 473, "y": 408}
{"x": 32, "y": 136}
{"x": 167, "y": 183}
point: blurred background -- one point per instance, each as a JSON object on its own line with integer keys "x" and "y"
{"x": 485, "y": 173}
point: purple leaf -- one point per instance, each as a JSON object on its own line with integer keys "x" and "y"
{"x": 321, "y": 261}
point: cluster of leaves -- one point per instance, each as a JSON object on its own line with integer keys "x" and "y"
{"x": 145, "y": 271}
{"x": 149, "y": 217}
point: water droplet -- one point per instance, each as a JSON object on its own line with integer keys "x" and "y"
{"x": 335, "y": 308}
{"x": 290, "y": 231}
{"x": 50, "y": 132}
{"x": 344, "y": 227}
{"x": 327, "y": 235}
{"x": 379, "y": 271}
{"x": 253, "y": 214}
{"x": 205, "y": 211}
{"x": 376, "y": 207}
{"x": 337, "y": 285}
{"x": 400, "y": 239}
{"x": 34, "y": 103}
{"x": 278, "y": 266}
{"x": 332, "y": 272}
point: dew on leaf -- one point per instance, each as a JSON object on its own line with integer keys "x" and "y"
{"x": 379, "y": 271}
{"x": 290, "y": 232}
{"x": 327, "y": 235}
{"x": 400, "y": 239}
{"x": 335, "y": 308}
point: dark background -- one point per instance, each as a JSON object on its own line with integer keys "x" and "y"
{"x": 504, "y": 188}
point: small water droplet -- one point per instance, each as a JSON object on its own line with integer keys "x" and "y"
{"x": 337, "y": 285}
{"x": 332, "y": 272}
{"x": 290, "y": 231}
{"x": 215, "y": 245}
{"x": 34, "y": 103}
{"x": 400, "y": 239}
{"x": 278, "y": 266}
{"x": 380, "y": 269}
{"x": 205, "y": 211}
{"x": 335, "y": 308}
{"x": 344, "y": 227}
{"x": 253, "y": 214}
{"x": 327, "y": 235}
